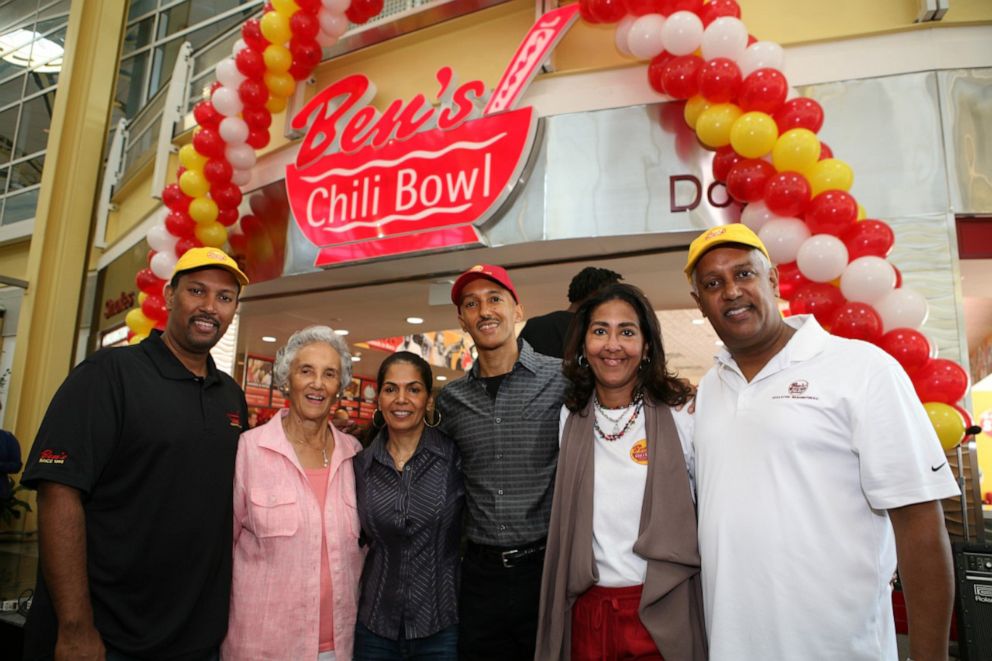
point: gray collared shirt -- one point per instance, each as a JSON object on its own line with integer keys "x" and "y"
{"x": 509, "y": 447}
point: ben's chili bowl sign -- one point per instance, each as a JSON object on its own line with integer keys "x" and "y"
{"x": 414, "y": 177}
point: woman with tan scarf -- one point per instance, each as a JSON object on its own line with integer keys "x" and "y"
{"x": 621, "y": 572}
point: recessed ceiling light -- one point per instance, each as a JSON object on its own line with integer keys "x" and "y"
{"x": 441, "y": 377}
{"x": 341, "y": 331}
{"x": 268, "y": 338}
{"x": 25, "y": 48}
{"x": 356, "y": 359}
{"x": 414, "y": 320}
{"x": 698, "y": 322}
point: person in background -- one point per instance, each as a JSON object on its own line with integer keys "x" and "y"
{"x": 503, "y": 415}
{"x": 621, "y": 575}
{"x": 546, "y": 333}
{"x": 410, "y": 503}
{"x": 134, "y": 463}
{"x": 817, "y": 468}
{"x": 10, "y": 462}
{"x": 297, "y": 560}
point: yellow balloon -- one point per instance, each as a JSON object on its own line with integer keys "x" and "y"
{"x": 136, "y": 338}
{"x": 693, "y": 108}
{"x": 277, "y": 58}
{"x": 796, "y": 150}
{"x": 211, "y": 234}
{"x": 753, "y": 134}
{"x": 141, "y": 298}
{"x": 829, "y": 174}
{"x": 287, "y": 7}
{"x": 279, "y": 84}
{"x": 191, "y": 159}
{"x": 138, "y": 322}
{"x": 713, "y": 125}
{"x": 947, "y": 422}
{"x": 862, "y": 214}
{"x": 203, "y": 210}
{"x": 275, "y": 104}
{"x": 193, "y": 183}
{"x": 275, "y": 27}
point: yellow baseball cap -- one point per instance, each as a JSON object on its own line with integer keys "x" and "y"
{"x": 733, "y": 233}
{"x": 202, "y": 258}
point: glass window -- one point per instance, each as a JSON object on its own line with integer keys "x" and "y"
{"x": 173, "y": 19}
{"x": 20, "y": 207}
{"x": 8, "y": 125}
{"x": 26, "y": 173}
{"x": 11, "y": 91}
{"x": 17, "y": 14}
{"x": 3, "y": 180}
{"x": 140, "y": 8}
{"x": 138, "y": 35}
{"x": 36, "y": 117}
{"x": 163, "y": 62}
{"x": 40, "y": 80}
{"x": 130, "y": 82}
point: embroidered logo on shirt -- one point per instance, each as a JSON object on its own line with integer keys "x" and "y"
{"x": 53, "y": 457}
{"x": 797, "y": 390}
{"x": 235, "y": 419}
{"x": 639, "y": 453}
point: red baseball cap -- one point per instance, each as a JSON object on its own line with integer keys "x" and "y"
{"x": 495, "y": 273}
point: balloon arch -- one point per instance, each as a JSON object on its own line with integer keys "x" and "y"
{"x": 831, "y": 258}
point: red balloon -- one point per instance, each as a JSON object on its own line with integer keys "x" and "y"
{"x": 304, "y": 26}
{"x": 968, "y": 422}
{"x": 251, "y": 32}
{"x": 723, "y": 160}
{"x": 790, "y": 279}
{"x": 148, "y": 282}
{"x": 309, "y": 6}
{"x": 669, "y": 7}
{"x": 180, "y": 224}
{"x": 869, "y": 237}
{"x": 763, "y": 90}
{"x": 239, "y": 243}
{"x": 218, "y": 171}
{"x": 719, "y": 80}
{"x": 185, "y": 243}
{"x": 206, "y": 115}
{"x": 820, "y": 299}
{"x": 680, "y": 77}
{"x": 154, "y": 307}
{"x": 360, "y": 11}
{"x": 715, "y": 9}
{"x": 898, "y": 276}
{"x": 655, "y": 70}
{"x": 909, "y": 347}
{"x": 857, "y": 321}
{"x": 227, "y": 217}
{"x": 175, "y": 199}
{"x": 250, "y": 63}
{"x": 825, "y": 151}
{"x": 787, "y": 194}
{"x": 586, "y": 13}
{"x": 257, "y": 118}
{"x": 306, "y": 56}
{"x": 258, "y": 139}
{"x": 831, "y": 212}
{"x": 799, "y": 113}
{"x": 209, "y": 143}
{"x": 941, "y": 380}
{"x": 607, "y": 11}
{"x": 227, "y": 196}
{"x": 747, "y": 179}
{"x": 642, "y": 7}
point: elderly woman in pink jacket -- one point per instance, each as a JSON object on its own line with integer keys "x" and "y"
{"x": 297, "y": 560}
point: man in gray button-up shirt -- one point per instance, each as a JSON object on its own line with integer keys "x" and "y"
{"x": 504, "y": 417}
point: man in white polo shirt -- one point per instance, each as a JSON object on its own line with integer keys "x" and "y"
{"x": 816, "y": 468}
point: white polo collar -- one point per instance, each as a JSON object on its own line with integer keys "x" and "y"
{"x": 808, "y": 341}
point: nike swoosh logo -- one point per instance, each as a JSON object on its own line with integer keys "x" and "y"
{"x": 937, "y": 468}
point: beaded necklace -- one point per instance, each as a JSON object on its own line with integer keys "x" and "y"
{"x": 618, "y": 433}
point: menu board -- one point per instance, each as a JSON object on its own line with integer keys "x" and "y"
{"x": 258, "y": 381}
{"x": 359, "y": 399}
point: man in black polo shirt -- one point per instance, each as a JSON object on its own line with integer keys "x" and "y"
{"x": 134, "y": 466}
{"x": 504, "y": 417}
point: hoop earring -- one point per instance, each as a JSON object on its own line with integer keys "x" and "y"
{"x": 437, "y": 419}
{"x": 581, "y": 361}
{"x": 644, "y": 363}
{"x": 375, "y": 423}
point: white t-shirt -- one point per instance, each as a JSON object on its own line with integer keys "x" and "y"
{"x": 620, "y": 471}
{"x": 795, "y": 472}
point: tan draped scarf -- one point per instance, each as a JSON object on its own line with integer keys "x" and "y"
{"x": 671, "y": 605}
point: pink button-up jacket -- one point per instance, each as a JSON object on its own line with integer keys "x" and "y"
{"x": 275, "y": 593}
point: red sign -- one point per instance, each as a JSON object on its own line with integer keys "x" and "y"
{"x": 414, "y": 177}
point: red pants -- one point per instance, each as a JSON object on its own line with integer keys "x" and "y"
{"x": 605, "y": 627}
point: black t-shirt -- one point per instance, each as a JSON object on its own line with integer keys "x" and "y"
{"x": 547, "y": 333}
{"x": 151, "y": 447}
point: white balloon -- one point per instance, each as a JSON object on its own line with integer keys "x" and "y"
{"x": 332, "y": 24}
{"x": 682, "y": 33}
{"x": 644, "y": 40}
{"x": 238, "y": 46}
{"x": 163, "y": 263}
{"x": 336, "y": 6}
{"x": 761, "y": 55}
{"x": 240, "y": 177}
{"x": 226, "y": 101}
{"x": 241, "y": 157}
{"x": 755, "y": 215}
{"x": 902, "y": 308}
{"x": 227, "y": 73}
{"x": 620, "y": 37}
{"x": 326, "y": 40}
{"x": 867, "y": 279}
{"x": 160, "y": 240}
{"x": 233, "y": 130}
{"x": 782, "y": 237}
{"x": 724, "y": 37}
{"x": 822, "y": 257}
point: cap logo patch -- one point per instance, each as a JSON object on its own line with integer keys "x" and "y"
{"x": 477, "y": 268}
{"x": 715, "y": 232}
{"x": 218, "y": 255}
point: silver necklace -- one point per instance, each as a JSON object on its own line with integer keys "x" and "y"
{"x": 623, "y": 412}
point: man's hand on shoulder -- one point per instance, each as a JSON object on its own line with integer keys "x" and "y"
{"x": 79, "y": 643}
